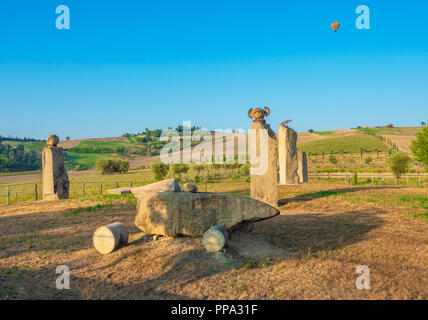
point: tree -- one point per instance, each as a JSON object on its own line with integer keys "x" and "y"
{"x": 245, "y": 170}
{"x": 67, "y": 138}
{"x": 399, "y": 163}
{"x": 423, "y": 123}
{"x": 159, "y": 169}
{"x": 332, "y": 159}
{"x": 355, "y": 178}
{"x": 179, "y": 169}
{"x": 311, "y": 130}
{"x": 112, "y": 166}
{"x": 419, "y": 146}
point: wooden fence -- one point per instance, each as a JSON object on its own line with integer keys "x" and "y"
{"x": 14, "y": 193}
{"x": 374, "y": 178}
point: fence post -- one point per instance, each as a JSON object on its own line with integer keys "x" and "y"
{"x": 16, "y": 197}
{"x": 395, "y": 179}
{"x": 8, "y": 195}
{"x": 117, "y": 184}
{"x": 131, "y": 184}
{"x": 407, "y": 178}
{"x": 35, "y": 191}
{"x": 419, "y": 177}
{"x": 83, "y": 190}
{"x": 101, "y": 189}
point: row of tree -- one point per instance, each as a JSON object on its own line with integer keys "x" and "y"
{"x": 14, "y": 159}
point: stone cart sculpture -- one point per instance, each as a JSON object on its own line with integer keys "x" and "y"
{"x": 163, "y": 209}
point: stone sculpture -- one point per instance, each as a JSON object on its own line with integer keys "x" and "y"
{"x": 55, "y": 181}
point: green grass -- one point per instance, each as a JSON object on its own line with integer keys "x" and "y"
{"x": 104, "y": 144}
{"x": 398, "y": 130}
{"x": 323, "y": 133}
{"x": 88, "y": 160}
{"x": 347, "y": 144}
{"x": 413, "y": 205}
{"x": 28, "y": 146}
{"x": 20, "y": 173}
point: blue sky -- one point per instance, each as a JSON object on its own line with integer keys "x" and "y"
{"x": 127, "y": 65}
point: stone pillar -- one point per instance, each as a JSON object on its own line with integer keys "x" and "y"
{"x": 55, "y": 182}
{"x": 302, "y": 167}
{"x": 263, "y": 149}
{"x": 287, "y": 139}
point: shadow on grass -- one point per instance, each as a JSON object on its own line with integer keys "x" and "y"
{"x": 326, "y": 193}
{"x": 317, "y": 232}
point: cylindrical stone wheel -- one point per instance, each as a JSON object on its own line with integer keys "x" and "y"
{"x": 215, "y": 238}
{"x": 108, "y": 238}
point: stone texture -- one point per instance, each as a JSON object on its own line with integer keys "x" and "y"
{"x": 168, "y": 185}
{"x": 287, "y": 149}
{"x": 192, "y": 214}
{"x": 53, "y": 140}
{"x": 190, "y": 187}
{"x": 302, "y": 170}
{"x": 264, "y": 183}
{"x": 55, "y": 183}
{"x": 120, "y": 190}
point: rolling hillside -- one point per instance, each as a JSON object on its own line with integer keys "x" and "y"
{"x": 140, "y": 152}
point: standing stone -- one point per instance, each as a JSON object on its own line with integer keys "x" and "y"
{"x": 264, "y": 175}
{"x": 303, "y": 167}
{"x": 54, "y": 175}
{"x": 287, "y": 148}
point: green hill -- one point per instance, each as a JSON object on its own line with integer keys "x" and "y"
{"x": 13, "y": 159}
{"x": 347, "y": 144}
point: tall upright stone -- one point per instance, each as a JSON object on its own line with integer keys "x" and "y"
{"x": 302, "y": 167}
{"x": 288, "y": 165}
{"x": 55, "y": 182}
{"x": 263, "y": 148}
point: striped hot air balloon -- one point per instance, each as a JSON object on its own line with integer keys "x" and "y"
{"x": 335, "y": 25}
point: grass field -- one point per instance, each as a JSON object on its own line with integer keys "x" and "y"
{"x": 347, "y": 144}
{"x": 323, "y": 133}
{"x": 398, "y": 130}
{"x": 310, "y": 251}
{"x": 86, "y": 160}
{"x": 21, "y": 173}
{"x": 29, "y": 146}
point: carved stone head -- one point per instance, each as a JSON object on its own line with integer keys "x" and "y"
{"x": 258, "y": 114}
{"x": 53, "y": 140}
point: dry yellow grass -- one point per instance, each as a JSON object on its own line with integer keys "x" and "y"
{"x": 310, "y": 251}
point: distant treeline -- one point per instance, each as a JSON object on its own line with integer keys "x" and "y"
{"x": 25, "y": 139}
{"x": 17, "y": 159}
{"x": 157, "y": 132}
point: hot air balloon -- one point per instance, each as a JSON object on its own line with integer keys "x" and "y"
{"x": 335, "y": 25}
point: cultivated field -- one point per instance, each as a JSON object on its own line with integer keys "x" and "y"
{"x": 310, "y": 251}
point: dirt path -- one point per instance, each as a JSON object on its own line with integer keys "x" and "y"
{"x": 403, "y": 141}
